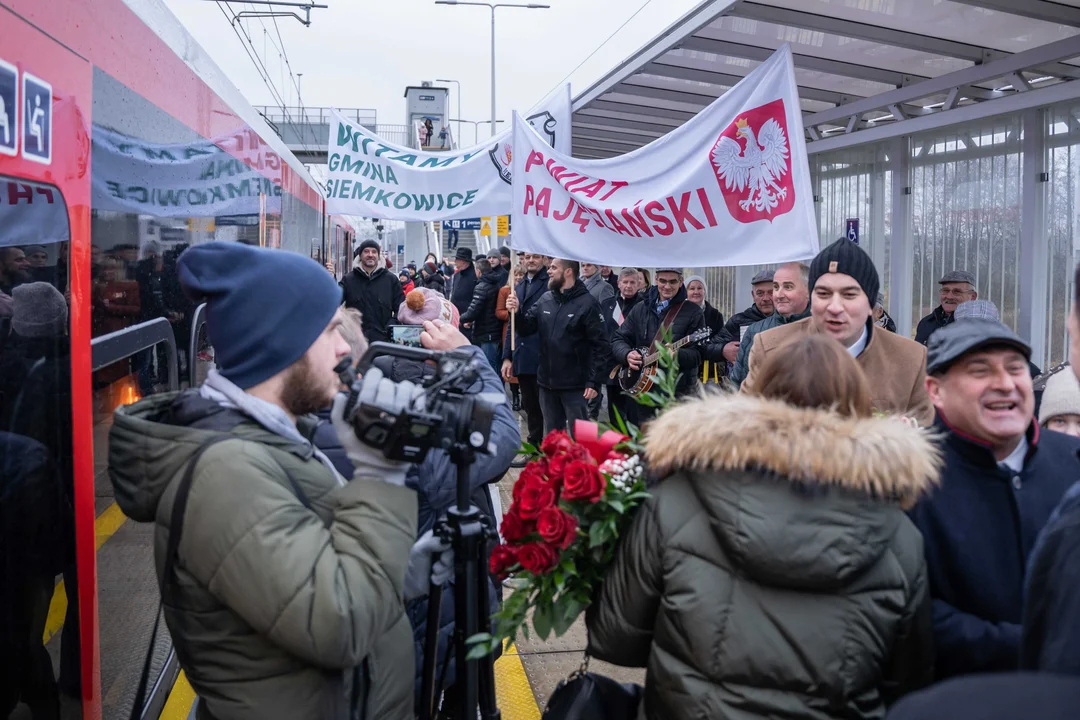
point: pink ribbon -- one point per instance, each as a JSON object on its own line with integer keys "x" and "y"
{"x": 588, "y": 434}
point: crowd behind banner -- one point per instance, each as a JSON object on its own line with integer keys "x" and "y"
{"x": 933, "y": 542}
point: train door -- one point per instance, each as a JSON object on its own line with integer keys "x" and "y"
{"x": 48, "y": 613}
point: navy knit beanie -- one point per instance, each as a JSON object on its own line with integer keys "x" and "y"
{"x": 264, "y": 308}
{"x": 847, "y": 258}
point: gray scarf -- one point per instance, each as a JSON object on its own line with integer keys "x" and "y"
{"x": 221, "y": 390}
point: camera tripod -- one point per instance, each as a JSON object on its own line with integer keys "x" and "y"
{"x": 468, "y": 531}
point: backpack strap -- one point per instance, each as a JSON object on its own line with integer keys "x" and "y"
{"x": 669, "y": 319}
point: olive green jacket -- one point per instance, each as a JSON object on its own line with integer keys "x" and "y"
{"x": 272, "y": 606}
{"x": 773, "y": 572}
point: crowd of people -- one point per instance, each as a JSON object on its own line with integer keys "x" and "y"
{"x": 856, "y": 524}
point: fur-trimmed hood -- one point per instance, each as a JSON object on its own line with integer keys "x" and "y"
{"x": 797, "y": 496}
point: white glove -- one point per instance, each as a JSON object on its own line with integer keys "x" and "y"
{"x": 389, "y": 396}
{"x": 424, "y": 568}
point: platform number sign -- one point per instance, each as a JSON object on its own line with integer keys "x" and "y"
{"x": 851, "y": 231}
{"x": 9, "y": 109}
{"x": 37, "y": 119}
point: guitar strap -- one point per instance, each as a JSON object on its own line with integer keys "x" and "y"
{"x": 669, "y": 319}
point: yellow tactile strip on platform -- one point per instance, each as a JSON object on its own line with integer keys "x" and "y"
{"x": 513, "y": 694}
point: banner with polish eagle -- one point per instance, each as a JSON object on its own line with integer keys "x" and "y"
{"x": 729, "y": 187}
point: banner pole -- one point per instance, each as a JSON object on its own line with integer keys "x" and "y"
{"x": 513, "y": 315}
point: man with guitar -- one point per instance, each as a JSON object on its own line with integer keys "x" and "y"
{"x": 665, "y": 305}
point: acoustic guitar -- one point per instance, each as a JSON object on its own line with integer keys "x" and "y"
{"x": 636, "y": 382}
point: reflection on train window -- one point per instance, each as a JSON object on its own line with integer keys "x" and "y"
{"x": 39, "y": 674}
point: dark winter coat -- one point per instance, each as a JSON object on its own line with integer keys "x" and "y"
{"x": 979, "y": 528}
{"x": 274, "y": 603}
{"x": 714, "y": 319}
{"x": 714, "y": 350}
{"x": 772, "y": 573}
{"x": 926, "y": 327}
{"x": 996, "y": 696}
{"x": 481, "y": 311}
{"x": 435, "y": 482}
{"x": 1050, "y": 639}
{"x": 377, "y": 296}
{"x": 526, "y": 353}
{"x": 641, "y": 325}
{"x": 607, "y": 309}
{"x": 434, "y": 281}
{"x": 572, "y": 345}
{"x": 463, "y": 285}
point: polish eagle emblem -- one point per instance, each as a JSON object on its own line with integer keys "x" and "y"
{"x": 752, "y": 163}
{"x": 756, "y": 169}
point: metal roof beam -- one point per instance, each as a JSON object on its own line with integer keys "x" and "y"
{"x": 637, "y": 109}
{"x": 1066, "y": 48}
{"x": 807, "y": 62}
{"x": 601, "y": 120}
{"x": 701, "y": 15}
{"x": 681, "y": 72}
{"x": 610, "y": 136}
{"x": 1052, "y": 12}
{"x": 599, "y": 145}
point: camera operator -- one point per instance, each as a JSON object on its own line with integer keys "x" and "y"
{"x": 282, "y": 582}
{"x": 435, "y": 479}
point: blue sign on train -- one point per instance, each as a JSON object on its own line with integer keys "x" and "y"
{"x": 37, "y": 119}
{"x": 9, "y": 109}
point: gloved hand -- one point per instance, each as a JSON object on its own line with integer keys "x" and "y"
{"x": 425, "y": 568}
{"x": 389, "y": 396}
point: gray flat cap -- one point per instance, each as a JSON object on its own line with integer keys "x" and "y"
{"x": 674, "y": 270}
{"x": 976, "y": 310}
{"x": 763, "y": 276}
{"x": 950, "y": 343}
{"x": 957, "y": 276}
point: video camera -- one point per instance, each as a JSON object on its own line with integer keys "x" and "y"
{"x": 449, "y": 414}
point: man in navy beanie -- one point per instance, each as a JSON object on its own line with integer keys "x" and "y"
{"x": 843, "y": 287}
{"x": 283, "y": 582}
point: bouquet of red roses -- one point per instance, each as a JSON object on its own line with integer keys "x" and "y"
{"x": 571, "y": 503}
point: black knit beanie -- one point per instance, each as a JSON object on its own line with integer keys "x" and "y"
{"x": 369, "y": 243}
{"x": 845, "y": 257}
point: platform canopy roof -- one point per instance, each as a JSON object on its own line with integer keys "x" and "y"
{"x": 866, "y": 69}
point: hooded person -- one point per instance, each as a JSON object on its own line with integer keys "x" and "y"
{"x": 373, "y": 290}
{"x": 772, "y": 572}
{"x": 283, "y": 581}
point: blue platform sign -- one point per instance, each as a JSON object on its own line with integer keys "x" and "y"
{"x": 467, "y": 224}
{"x": 37, "y": 119}
{"x": 852, "y": 230}
{"x": 9, "y": 109}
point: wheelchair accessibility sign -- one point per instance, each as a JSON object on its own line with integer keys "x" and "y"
{"x": 9, "y": 109}
{"x": 37, "y": 119}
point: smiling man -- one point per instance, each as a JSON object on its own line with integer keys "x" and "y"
{"x": 957, "y": 287}
{"x": 842, "y": 281}
{"x": 1002, "y": 479}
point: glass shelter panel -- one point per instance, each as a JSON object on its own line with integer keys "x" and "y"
{"x": 966, "y": 199}
{"x": 1062, "y": 224}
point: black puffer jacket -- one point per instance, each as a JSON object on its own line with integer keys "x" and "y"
{"x": 461, "y": 291}
{"x": 377, "y": 296}
{"x": 642, "y": 324}
{"x": 481, "y": 311}
{"x": 714, "y": 351}
{"x": 572, "y": 344}
{"x": 434, "y": 281}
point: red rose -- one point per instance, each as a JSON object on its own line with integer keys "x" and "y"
{"x": 557, "y": 441}
{"x": 583, "y": 481}
{"x": 558, "y": 528}
{"x": 537, "y": 558}
{"x": 535, "y": 471}
{"x": 535, "y": 497}
{"x": 503, "y": 557}
{"x": 513, "y": 527}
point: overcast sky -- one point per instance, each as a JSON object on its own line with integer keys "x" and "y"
{"x": 363, "y": 53}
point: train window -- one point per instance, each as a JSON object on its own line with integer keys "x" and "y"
{"x": 40, "y": 673}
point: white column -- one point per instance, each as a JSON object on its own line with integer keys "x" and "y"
{"x": 1033, "y": 276}
{"x": 901, "y": 246}
{"x": 876, "y": 229}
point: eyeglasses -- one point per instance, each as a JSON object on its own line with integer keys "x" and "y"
{"x": 668, "y": 282}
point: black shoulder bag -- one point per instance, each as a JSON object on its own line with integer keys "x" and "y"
{"x": 361, "y": 679}
{"x": 589, "y": 696}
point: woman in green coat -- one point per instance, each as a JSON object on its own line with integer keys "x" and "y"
{"x": 773, "y": 572}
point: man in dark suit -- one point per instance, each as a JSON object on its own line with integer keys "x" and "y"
{"x": 524, "y": 359}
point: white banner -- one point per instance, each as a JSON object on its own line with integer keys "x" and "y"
{"x": 730, "y": 187}
{"x": 209, "y": 178}
{"x": 371, "y": 177}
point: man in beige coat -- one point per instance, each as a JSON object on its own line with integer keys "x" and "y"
{"x": 843, "y": 284}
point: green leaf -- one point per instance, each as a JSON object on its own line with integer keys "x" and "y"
{"x": 617, "y": 506}
{"x": 542, "y": 621}
{"x": 598, "y": 534}
{"x": 566, "y": 612}
{"x": 527, "y": 449}
{"x": 560, "y": 581}
{"x": 620, "y": 423}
